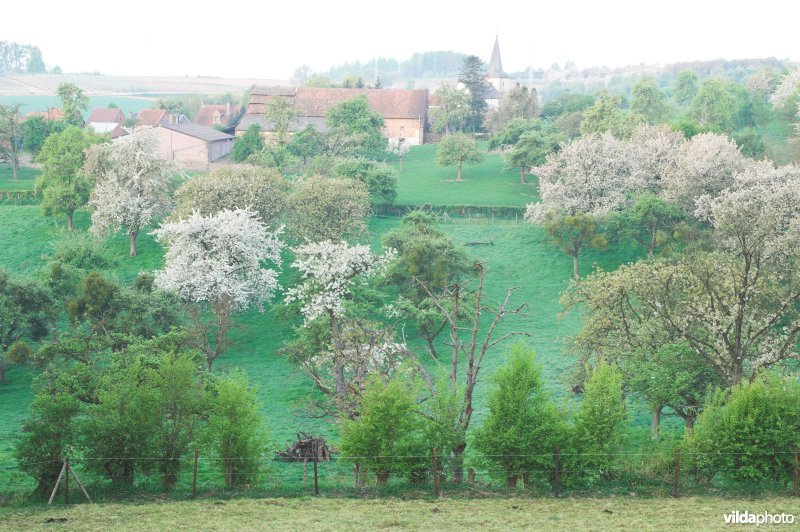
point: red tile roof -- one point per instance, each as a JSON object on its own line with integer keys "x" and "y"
{"x": 314, "y": 102}
{"x": 152, "y": 117}
{"x": 54, "y": 113}
{"x": 106, "y": 114}
{"x": 205, "y": 116}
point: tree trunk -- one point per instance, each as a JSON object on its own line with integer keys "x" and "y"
{"x": 689, "y": 420}
{"x": 575, "y": 274}
{"x": 459, "y": 174}
{"x": 522, "y": 175}
{"x": 69, "y": 221}
{"x": 526, "y": 481}
{"x": 655, "y": 422}
{"x": 14, "y": 165}
{"x": 458, "y": 463}
{"x": 2, "y": 370}
{"x": 401, "y": 164}
{"x": 132, "y": 236}
{"x": 338, "y": 370}
{"x": 382, "y": 477}
{"x": 511, "y": 481}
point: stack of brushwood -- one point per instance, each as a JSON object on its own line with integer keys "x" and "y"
{"x": 307, "y": 448}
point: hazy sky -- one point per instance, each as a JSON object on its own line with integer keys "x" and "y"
{"x": 269, "y": 39}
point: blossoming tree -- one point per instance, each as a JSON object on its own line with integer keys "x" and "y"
{"x": 219, "y": 263}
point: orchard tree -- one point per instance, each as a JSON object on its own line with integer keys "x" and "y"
{"x": 25, "y": 308}
{"x": 510, "y": 134}
{"x": 379, "y": 178}
{"x": 715, "y": 105}
{"x": 280, "y": 112}
{"x": 573, "y": 233}
{"x": 427, "y": 261}
{"x": 217, "y": 263}
{"x": 648, "y": 101}
{"x": 63, "y": 185}
{"x": 605, "y": 116}
{"x": 10, "y": 135}
{"x": 132, "y": 187}
{"x": 263, "y": 191}
{"x": 329, "y": 272}
{"x": 532, "y": 148}
{"x": 473, "y": 76}
{"x": 73, "y": 101}
{"x": 520, "y": 103}
{"x": 398, "y": 148}
{"x": 323, "y": 208}
{"x": 650, "y": 222}
{"x": 653, "y": 151}
{"x": 590, "y": 175}
{"x": 457, "y": 149}
{"x": 704, "y": 165}
{"x": 354, "y": 127}
{"x": 306, "y": 144}
{"x": 248, "y": 144}
{"x": 451, "y": 110}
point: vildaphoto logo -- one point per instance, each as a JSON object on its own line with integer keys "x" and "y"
{"x": 764, "y": 518}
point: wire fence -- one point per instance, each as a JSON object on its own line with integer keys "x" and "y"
{"x": 557, "y": 474}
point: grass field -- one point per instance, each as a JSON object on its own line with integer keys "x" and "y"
{"x": 430, "y": 514}
{"x": 25, "y": 178}
{"x": 423, "y": 182}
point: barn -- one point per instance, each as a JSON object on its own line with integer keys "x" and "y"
{"x": 404, "y": 112}
{"x": 193, "y": 145}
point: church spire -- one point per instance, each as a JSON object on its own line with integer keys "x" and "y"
{"x": 495, "y": 63}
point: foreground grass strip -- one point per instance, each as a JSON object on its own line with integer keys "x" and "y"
{"x": 337, "y": 514}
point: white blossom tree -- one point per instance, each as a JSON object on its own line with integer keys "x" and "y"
{"x": 329, "y": 272}
{"x": 704, "y": 165}
{"x": 225, "y": 263}
{"x": 132, "y": 186}
{"x": 653, "y": 151}
{"x": 787, "y": 86}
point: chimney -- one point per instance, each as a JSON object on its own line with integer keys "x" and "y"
{"x": 228, "y": 108}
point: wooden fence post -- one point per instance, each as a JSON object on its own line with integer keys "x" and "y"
{"x": 556, "y": 478}
{"x": 58, "y": 481}
{"x": 66, "y": 481}
{"x": 194, "y": 476}
{"x": 435, "y": 475}
{"x": 796, "y": 488}
{"x": 676, "y": 479}
{"x": 79, "y": 483}
{"x": 316, "y": 480}
{"x": 471, "y": 475}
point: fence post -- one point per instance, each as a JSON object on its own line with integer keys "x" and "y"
{"x": 676, "y": 480}
{"x": 556, "y": 479}
{"x": 435, "y": 475}
{"x": 471, "y": 475}
{"x": 316, "y": 480}
{"x": 796, "y": 489}
{"x": 66, "y": 481}
{"x": 194, "y": 476}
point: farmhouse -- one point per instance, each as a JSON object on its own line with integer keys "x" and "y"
{"x": 107, "y": 121}
{"x": 217, "y": 115}
{"x": 404, "y": 112}
{"x": 193, "y": 145}
{"x": 156, "y": 117}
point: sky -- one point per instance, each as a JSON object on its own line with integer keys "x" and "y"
{"x": 270, "y": 39}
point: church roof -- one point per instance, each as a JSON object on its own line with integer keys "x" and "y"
{"x": 495, "y": 63}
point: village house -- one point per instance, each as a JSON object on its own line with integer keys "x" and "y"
{"x": 217, "y": 115}
{"x": 404, "y": 112}
{"x": 107, "y": 121}
{"x": 53, "y": 113}
{"x": 157, "y": 117}
{"x": 193, "y": 145}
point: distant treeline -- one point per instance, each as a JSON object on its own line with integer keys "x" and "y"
{"x": 440, "y": 64}
{"x": 16, "y": 58}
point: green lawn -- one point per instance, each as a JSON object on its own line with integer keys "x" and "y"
{"x": 507, "y": 513}
{"x": 25, "y": 178}
{"x": 423, "y": 182}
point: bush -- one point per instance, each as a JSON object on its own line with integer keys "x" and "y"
{"x": 598, "y": 426}
{"x": 748, "y": 432}
{"x": 235, "y": 430}
{"x": 523, "y": 426}
{"x": 380, "y": 178}
{"x": 46, "y": 437}
{"x": 386, "y": 433}
{"x": 248, "y": 144}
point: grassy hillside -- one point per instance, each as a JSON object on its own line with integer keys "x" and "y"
{"x": 25, "y": 178}
{"x": 423, "y": 182}
{"x": 40, "y": 103}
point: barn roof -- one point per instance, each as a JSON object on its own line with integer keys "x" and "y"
{"x": 315, "y": 101}
{"x": 297, "y": 124}
{"x": 106, "y": 115}
{"x": 197, "y": 131}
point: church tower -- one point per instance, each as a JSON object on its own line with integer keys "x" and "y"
{"x": 496, "y": 76}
